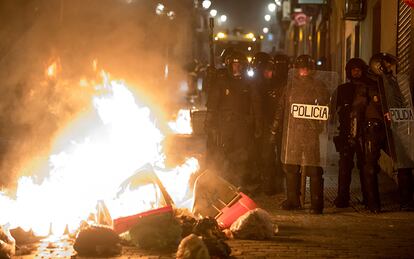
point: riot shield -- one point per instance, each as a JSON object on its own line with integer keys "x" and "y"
{"x": 307, "y": 117}
{"x": 400, "y": 128}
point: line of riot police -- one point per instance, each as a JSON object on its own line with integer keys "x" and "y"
{"x": 256, "y": 138}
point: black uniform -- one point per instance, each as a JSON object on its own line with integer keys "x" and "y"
{"x": 396, "y": 99}
{"x": 271, "y": 94}
{"x": 374, "y": 140}
{"x": 231, "y": 104}
{"x": 375, "y": 134}
{"x": 404, "y": 175}
{"x": 303, "y": 140}
{"x": 350, "y": 108}
{"x": 307, "y": 147}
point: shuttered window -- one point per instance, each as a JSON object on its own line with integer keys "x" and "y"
{"x": 404, "y": 45}
{"x": 404, "y": 37}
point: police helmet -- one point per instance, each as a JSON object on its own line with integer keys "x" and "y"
{"x": 261, "y": 59}
{"x": 377, "y": 62}
{"x": 281, "y": 63}
{"x": 236, "y": 57}
{"x": 281, "y": 59}
{"x": 355, "y": 63}
{"x": 305, "y": 61}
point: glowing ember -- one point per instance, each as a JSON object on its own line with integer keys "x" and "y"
{"x": 90, "y": 160}
{"x": 52, "y": 69}
{"x": 182, "y": 125}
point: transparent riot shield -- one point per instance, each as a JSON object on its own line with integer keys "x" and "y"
{"x": 400, "y": 130}
{"x": 307, "y": 117}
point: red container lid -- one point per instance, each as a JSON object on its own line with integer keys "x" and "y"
{"x": 126, "y": 223}
{"x": 230, "y": 214}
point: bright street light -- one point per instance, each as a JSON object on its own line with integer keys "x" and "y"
{"x": 267, "y": 17}
{"x": 206, "y": 4}
{"x": 265, "y": 30}
{"x": 221, "y": 35}
{"x": 213, "y": 12}
{"x": 278, "y": 2}
{"x": 171, "y": 15}
{"x": 159, "y": 9}
{"x": 271, "y": 7}
{"x": 223, "y": 18}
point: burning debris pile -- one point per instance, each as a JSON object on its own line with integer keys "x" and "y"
{"x": 95, "y": 198}
{"x": 97, "y": 241}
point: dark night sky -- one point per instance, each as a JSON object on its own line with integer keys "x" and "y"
{"x": 243, "y": 13}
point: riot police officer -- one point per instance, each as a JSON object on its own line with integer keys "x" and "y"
{"x": 307, "y": 101}
{"x": 270, "y": 80}
{"x": 374, "y": 136}
{"x": 400, "y": 143}
{"x": 350, "y": 140}
{"x": 230, "y": 105}
{"x": 210, "y": 84}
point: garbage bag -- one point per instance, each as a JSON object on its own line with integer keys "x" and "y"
{"x": 192, "y": 247}
{"x": 97, "y": 241}
{"x": 156, "y": 232}
{"x": 7, "y": 243}
{"x": 213, "y": 237}
{"x": 255, "y": 224}
{"x": 187, "y": 224}
{"x": 23, "y": 237}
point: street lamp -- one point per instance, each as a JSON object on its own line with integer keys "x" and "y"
{"x": 265, "y": 30}
{"x": 223, "y": 18}
{"x": 271, "y": 7}
{"x": 267, "y": 17}
{"x": 159, "y": 9}
{"x": 206, "y": 4}
{"x": 278, "y": 2}
{"x": 213, "y": 12}
{"x": 171, "y": 15}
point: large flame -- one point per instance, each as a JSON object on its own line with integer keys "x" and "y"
{"x": 182, "y": 124}
{"x": 90, "y": 160}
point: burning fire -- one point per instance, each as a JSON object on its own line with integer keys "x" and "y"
{"x": 52, "y": 69}
{"x": 90, "y": 160}
{"x": 182, "y": 125}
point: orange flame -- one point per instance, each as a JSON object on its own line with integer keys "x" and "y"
{"x": 182, "y": 125}
{"x": 53, "y": 69}
{"x": 90, "y": 160}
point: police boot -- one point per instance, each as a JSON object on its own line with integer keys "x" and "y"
{"x": 363, "y": 187}
{"x": 405, "y": 188}
{"x": 292, "y": 192}
{"x": 344, "y": 181}
{"x": 316, "y": 190}
{"x": 372, "y": 192}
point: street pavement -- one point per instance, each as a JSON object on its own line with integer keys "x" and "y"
{"x": 353, "y": 232}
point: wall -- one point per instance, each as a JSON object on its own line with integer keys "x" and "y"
{"x": 341, "y": 29}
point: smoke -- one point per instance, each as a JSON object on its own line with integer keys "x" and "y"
{"x": 127, "y": 39}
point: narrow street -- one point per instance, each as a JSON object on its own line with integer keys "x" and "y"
{"x": 338, "y": 233}
{"x": 108, "y": 106}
